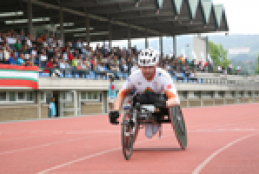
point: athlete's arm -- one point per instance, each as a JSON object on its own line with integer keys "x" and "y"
{"x": 171, "y": 93}
{"x": 118, "y": 103}
{"x": 126, "y": 89}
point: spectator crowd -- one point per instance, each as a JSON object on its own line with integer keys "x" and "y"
{"x": 53, "y": 56}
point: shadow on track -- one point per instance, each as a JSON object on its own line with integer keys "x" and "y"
{"x": 157, "y": 149}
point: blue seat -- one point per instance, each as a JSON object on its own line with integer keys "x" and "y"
{"x": 120, "y": 75}
{"x": 46, "y": 74}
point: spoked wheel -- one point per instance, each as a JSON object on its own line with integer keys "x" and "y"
{"x": 127, "y": 136}
{"x": 178, "y": 124}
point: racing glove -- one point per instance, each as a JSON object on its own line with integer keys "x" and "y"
{"x": 114, "y": 115}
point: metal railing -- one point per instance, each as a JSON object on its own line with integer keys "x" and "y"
{"x": 98, "y": 75}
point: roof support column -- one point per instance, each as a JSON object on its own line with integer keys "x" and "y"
{"x": 174, "y": 46}
{"x": 110, "y": 34}
{"x": 29, "y": 12}
{"x": 146, "y": 39}
{"x": 39, "y": 103}
{"x": 161, "y": 45}
{"x": 87, "y": 27}
{"x": 129, "y": 37}
{"x": 61, "y": 20}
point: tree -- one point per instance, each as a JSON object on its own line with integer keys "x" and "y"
{"x": 257, "y": 69}
{"x": 219, "y": 55}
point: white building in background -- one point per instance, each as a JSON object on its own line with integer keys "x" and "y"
{"x": 244, "y": 50}
{"x": 200, "y": 48}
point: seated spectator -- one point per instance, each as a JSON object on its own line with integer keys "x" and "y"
{"x": 178, "y": 75}
{"x": 43, "y": 59}
{"x": 224, "y": 71}
{"x": 193, "y": 76}
{"x": 101, "y": 67}
{"x": 67, "y": 64}
{"x": 49, "y": 65}
{"x": 238, "y": 69}
{"x": 123, "y": 67}
{"x": 12, "y": 60}
{"x": 2, "y": 56}
{"x": 62, "y": 64}
{"x": 71, "y": 56}
{"x": 200, "y": 66}
{"x": 28, "y": 40}
{"x": 53, "y": 68}
{"x": 114, "y": 66}
{"x": 93, "y": 63}
{"x": 18, "y": 44}
{"x": 219, "y": 69}
{"x": 187, "y": 72}
{"x": 20, "y": 60}
{"x": 229, "y": 69}
{"x": 85, "y": 65}
{"x": 74, "y": 63}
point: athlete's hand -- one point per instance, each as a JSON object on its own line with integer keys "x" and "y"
{"x": 160, "y": 103}
{"x": 114, "y": 115}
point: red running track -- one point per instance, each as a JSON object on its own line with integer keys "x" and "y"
{"x": 222, "y": 139}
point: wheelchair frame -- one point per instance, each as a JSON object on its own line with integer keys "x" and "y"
{"x": 133, "y": 120}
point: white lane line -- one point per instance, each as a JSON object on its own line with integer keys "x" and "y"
{"x": 224, "y": 130}
{"x": 44, "y": 145}
{"x": 52, "y": 119}
{"x": 232, "y": 105}
{"x": 202, "y": 165}
{"x": 23, "y": 138}
{"x": 91, "y": 156}
{"x": 51, "y": 133}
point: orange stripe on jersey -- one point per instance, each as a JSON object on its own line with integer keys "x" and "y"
{"x": 170, "y": 94}
{"x": 124, "y": 93}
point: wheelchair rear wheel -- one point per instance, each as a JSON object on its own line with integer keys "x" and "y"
{"x": 178, "y": 123}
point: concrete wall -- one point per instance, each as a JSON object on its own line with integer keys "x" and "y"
{"x": 192, "y": 95}
{"x": 22, "y": 112}
{"x": 91, "y": 108}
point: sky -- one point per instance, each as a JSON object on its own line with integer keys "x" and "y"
{"x": 242, "y": 15}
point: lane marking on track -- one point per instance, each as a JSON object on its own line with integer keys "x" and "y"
{"x": 135, "y": 171}
{"x": 51, "y": 133}
{"x": 98, "y": 154}
{"x": 241, "y": 104}
{"x": 93, "y": 155}
{"x": 226, "y": 130}
{"x": 45, "y": 145}
{"x": 23, "y": 138}
{"x": 202, "y": 165}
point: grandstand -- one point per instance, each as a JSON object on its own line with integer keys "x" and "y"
{"x": 55, "y": 38}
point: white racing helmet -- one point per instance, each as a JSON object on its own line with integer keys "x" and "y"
{"x": 148, "y": 57}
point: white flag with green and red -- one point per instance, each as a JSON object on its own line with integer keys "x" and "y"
{"x": 19, "y": 76}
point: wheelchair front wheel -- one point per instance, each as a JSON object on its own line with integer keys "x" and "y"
{"x": 127, "y": 136}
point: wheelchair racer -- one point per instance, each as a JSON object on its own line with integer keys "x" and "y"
{"x": 147, "y": 79}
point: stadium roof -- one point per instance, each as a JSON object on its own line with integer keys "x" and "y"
{"x": 156, "y": 17}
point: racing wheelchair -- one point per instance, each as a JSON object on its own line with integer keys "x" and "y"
{"x": 142, "y": 111}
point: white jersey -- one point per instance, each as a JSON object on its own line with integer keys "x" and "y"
{"x": 161, "y": 83}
